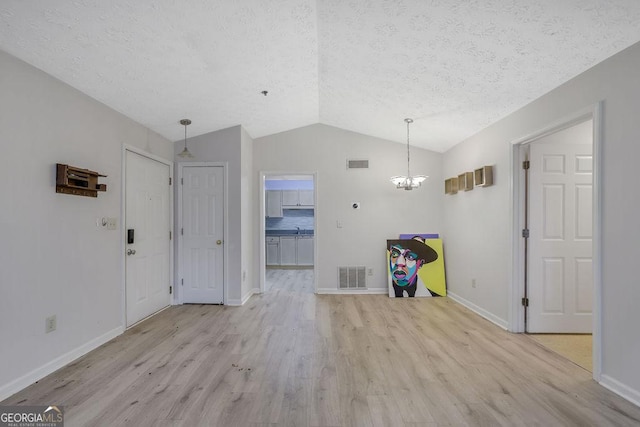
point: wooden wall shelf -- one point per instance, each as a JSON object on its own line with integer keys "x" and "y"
{"x": 77, "y": 181}
{"x": 465, "y": 181}
{"x": 484, "y": 176}
{"x": 451, "y": 185}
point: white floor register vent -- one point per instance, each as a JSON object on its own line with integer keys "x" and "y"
{"x": 352, "y": 278}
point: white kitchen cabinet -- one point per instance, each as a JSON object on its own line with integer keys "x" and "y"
{"x": 306, "y": 198}
{"x": 288, "y": 250}
{"x": 297, "y": 198}
{"x": 290, "y": 198}
{"x": 273, "y": 250}
{"x": 305, "y": 250}
{"x": 273, "y": 204}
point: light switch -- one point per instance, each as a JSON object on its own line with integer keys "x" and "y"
{"x": 112, "y": 223}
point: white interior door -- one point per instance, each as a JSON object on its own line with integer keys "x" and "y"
{"x": 147, "y": 213}
{"x": 560, "y": 255}
{"x": 203, "y": 234}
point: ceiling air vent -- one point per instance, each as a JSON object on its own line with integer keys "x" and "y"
{"x": 357, "y": 164}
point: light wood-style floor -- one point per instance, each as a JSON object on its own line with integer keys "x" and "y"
{"x": 578, "y": 348}
{"x": 292, "y": 358}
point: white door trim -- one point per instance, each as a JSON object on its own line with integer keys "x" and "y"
{"x": 262, "y": 259}
{"x": 516, "y": 310}
{"x": 123, "y": 231}
{"x": 178, "y": 295}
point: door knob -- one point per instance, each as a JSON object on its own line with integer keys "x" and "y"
{"x": 131, "y": 251}
{"x": 218, "y": 242}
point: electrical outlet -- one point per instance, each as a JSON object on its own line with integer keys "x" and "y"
{"x": 50, "y": 324}
{"x": 473, "y": 283}
{"x": 370, "y": 271}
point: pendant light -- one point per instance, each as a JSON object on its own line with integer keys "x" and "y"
{"x": 185, "y": 154}
{"x": 408, "y": 182}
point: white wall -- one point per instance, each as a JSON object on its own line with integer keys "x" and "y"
{"x": 385, "y": 211}
{"x": 225, "y": 146}
{"x": 248, "y": 183}
{"x": 476, "y": 231}
{"x": 53, "y": 257}
{"x": 485, "y": 234}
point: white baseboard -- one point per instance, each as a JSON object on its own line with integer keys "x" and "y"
{"x": 249, "y": 294}
{"x": 479, "y": 310}
{"x": 335, "y": 291}
{"x": 620, "y": 389}
{"x": 245, "y": 298}
{"x": 52, "y": 366}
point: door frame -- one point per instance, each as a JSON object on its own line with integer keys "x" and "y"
{"x": 178, "y": 294}
{"x": 123, "y": 229}
{"x": 262, "y": 258}
{"x": 517, "y": 153}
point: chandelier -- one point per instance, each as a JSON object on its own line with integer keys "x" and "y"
{"x": 408, "y": 182}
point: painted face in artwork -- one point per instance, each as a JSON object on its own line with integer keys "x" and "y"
{"x": 404, "y": 265}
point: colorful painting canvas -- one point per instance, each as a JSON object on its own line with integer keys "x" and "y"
{"x": 424, "y": 236}
{"x": 416, "y": 267}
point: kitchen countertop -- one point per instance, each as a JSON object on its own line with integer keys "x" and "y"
{"x": 279, "y": 232}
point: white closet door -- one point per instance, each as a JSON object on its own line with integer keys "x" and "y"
{"x": 560, "y": 260}
{"x": 203, "y": 234}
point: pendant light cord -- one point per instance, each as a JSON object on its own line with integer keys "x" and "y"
{"x": 185, "y": 136}
{"x": 408, "y": 157}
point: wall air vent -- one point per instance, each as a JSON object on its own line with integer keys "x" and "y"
{"x": 357, "y": 164}
{"x": 352, "y": 278}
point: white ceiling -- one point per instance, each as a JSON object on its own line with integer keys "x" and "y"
{"x": 363, "y": 65}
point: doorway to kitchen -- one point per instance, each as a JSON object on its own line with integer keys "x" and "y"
{"x": 288, "y": 232}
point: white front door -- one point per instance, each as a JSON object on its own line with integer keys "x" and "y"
{"x": 147, "y": 214}
{"x": 203, "y": 234}
{"x": 560, "y": 254}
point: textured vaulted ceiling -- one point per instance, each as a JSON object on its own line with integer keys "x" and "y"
{"x": 454, "y": 66}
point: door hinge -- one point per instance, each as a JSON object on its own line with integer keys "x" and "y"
{"x": 182, "y": 231}
{"x": 526, "y": 164}
{"x": 169, "y": 180}
{"x": 181, "y": 181}
{"x": 182, "y": 281}
{"x": 525, "y": 302}
{"x": 169, "y": 235}
{"x": 170, "y": 290}
{"x": 525, "y": 233}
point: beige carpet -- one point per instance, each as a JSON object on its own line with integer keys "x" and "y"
{"x": 577, "y": 348}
